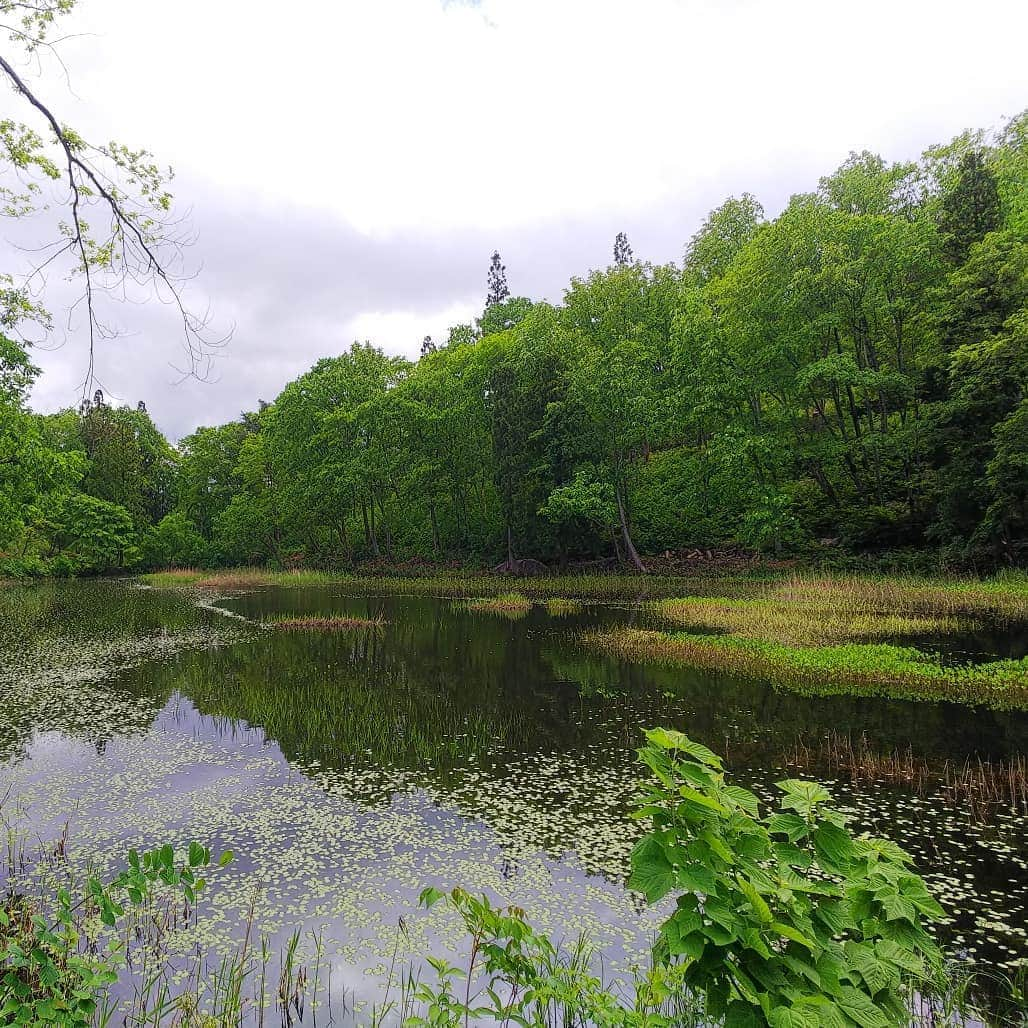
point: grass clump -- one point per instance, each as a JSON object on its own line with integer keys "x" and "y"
{"x": 979, "y": 788}
{"x": 876, "y": 669}
{"x": 323, "y": 624}
{"x": 802, "y": 623}
{"x": 174, "y": 578}
{"x": 561, "y": 606}
{"x": 511, "y": 605}
{"x": 457, "y": 584}
{"x": 1004, "y": 597}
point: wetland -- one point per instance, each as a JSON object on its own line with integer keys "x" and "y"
{"x": 393, "y": 740}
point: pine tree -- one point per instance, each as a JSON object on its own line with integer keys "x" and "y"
{"x": 622, "y": 250}
{"x": 497, "y": 282}
{"x": 971, "y": 209}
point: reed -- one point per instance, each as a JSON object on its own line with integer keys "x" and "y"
{"x": 512, "y": 605}
{"x": 322, "y": 624}
{"x": 863, "y": 669}
{"x": 803, "y": 623}
{"x": 980, "y": 788}
{"x": 561, "y": 606}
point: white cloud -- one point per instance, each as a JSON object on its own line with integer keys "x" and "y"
{"x": 337, "y": 131}
{"x": 402, "y": 332}
{"x": 397, "y": 114}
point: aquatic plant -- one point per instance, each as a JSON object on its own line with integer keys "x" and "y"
{"x": 832, "y": 619}
{"x": 512, "y": 605}
{"x": 457, "y": 584}
{"x": 561, "y": 606}
{"x": 978, "y": 787}
{"x": 1004, "y": 596}
{"x": 781, "y": 919}
{"x": 866, "y": 669}
{"x": 322, "y": 624}
{"x": 54, "y": 967}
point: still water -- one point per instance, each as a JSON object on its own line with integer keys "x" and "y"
{"x": 349, "y": 770}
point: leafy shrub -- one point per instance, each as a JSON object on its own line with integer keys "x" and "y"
{"x": 783, "y": 919}
{"x": 172, "y": 543}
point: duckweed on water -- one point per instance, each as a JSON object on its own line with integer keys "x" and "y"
{"x": 871, "y": 669}
{"x": 348, "y": 770}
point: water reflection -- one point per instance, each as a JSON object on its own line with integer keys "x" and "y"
{"x": 350, "y": 769}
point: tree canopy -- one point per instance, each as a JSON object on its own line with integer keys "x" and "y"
{"x": 850, "y": 372}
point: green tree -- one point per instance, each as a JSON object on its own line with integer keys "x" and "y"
{"x": 971, "y": 209}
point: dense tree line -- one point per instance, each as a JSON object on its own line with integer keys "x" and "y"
{"x": 853, "y": 370}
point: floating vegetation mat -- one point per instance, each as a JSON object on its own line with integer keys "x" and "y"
{"x": 865, "y": 669}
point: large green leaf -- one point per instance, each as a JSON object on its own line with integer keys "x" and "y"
{"x": 834, "y": 847}
{"x": 794, "y": 1017}
{"x": 668, "y": 739}
{"x": 756, "y": 901}
{"x": 652, "y": 874}
{"x": 858, "y": 1006}
{"x": 790, "y": 825}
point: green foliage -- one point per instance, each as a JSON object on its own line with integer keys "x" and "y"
{"x": 514, "y": 975}
{"x": 844, "y": 381}
{"x": 172, "y": 543}
{"x": 53, "y": 968}
{"x": 782, "y": 918}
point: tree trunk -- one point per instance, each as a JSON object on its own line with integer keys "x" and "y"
{"x": 633, "y": 554}
{"x": 435, "y": 529}
{"x": 369, "y": 525}
{"x": 511, "y": 564}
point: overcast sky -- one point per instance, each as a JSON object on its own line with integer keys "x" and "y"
{"x": 349, "y": 165}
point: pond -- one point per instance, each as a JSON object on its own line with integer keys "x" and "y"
{"x": 348, "y": 770}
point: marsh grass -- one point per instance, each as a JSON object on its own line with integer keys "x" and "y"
{"x": 323, "y": 624}
{"x": 1003, "y": 597}
{"x": 980, "y": 788}
{"x": 795, "y": 622}
{"x": 510, "y": 605}
{"x": 560, "y": 606}
{"x": 457, "y": 585}
{"x": 864, "y": 669}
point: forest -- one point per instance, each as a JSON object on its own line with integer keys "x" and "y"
{"x": 848, "y": 377}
